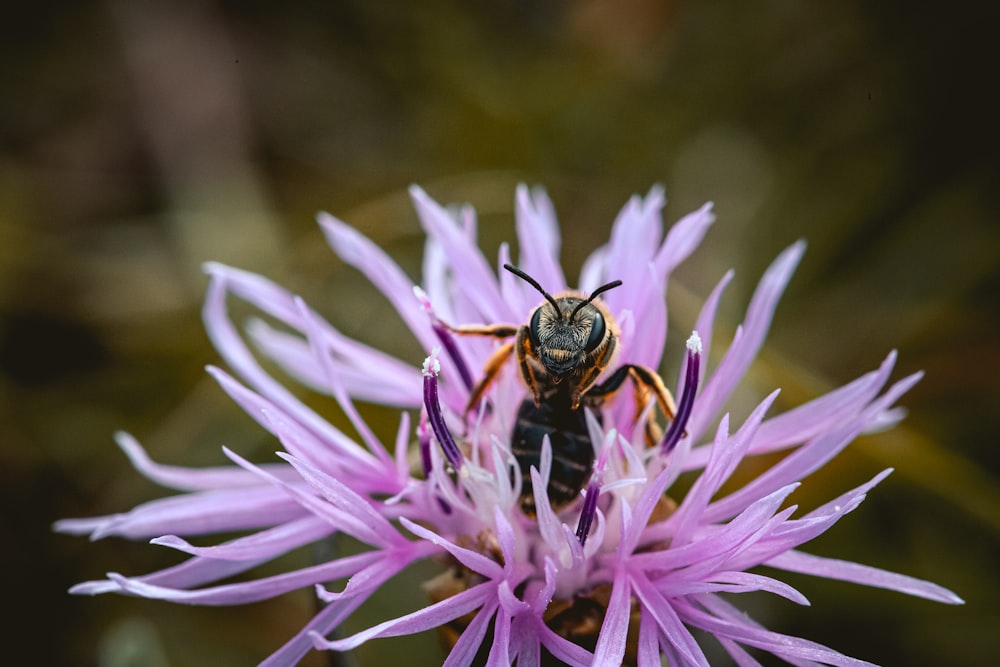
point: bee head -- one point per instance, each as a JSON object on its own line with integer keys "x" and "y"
{"x": 563, "y": 332}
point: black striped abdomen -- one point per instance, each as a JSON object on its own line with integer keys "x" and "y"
{"x": 572, "y": 450}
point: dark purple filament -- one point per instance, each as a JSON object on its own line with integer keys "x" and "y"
{"x": 589, "y": 510}
{"x": 455, "y": 354}
{"x": 436, "y": 418}
{"x": 676, "y": 429}
{"x": 424, "y": 441}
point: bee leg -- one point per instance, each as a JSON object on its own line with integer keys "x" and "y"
{"x": 495, "y": 362}
{"x": 611, "y": 385}
{"x": 523, "y": 349}
{"x": 642, "y": 398}
{"x": 590, "y": 376}
{"x": 653, "y": 433}
{"x": 494, "y": 330}
{"x": 651, "y": 380}
{"x": 493, "y": 366}
{"x": 646, "y": 382}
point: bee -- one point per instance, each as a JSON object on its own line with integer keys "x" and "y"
{"x": 568, "y": 342}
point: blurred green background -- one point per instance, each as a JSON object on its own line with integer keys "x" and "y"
{"x": 141, "y": 138}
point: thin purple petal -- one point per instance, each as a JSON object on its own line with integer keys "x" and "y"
{"x": 684, "y": 237}
{"x": 727, "y": 452}
{"x": 807, "y": 458}
{"x": 333, "y": 454}
{"x": 647, "y": 650}
{"x": 339, "y": 517}
{"x": 385, "y": 380}
{"x": 610, "y": 647}
{"x": 500, "y": 649}
{"x": 563, "y": 649}
{"x": 470, "y": 559}
{"x": 635, "y": 237}
{"x": 357, "y": 250}
{"x": 781, "y": 645}
{"x": 250, "y": 591}
{"x": 467, "y": 646}
{"x": 429, "y": 617}
{"x": 342, "y": 497}
{"x": 742, "y": 352}
{"x": 184, "y": 479}
{"x": 264, "y": 544}
{"x": 538, "y": 238}
{"x": 477, "y": 278}
{"x": 203, "y": 513}
{"x": 232, "y": 348}
{"x": 666, "y": 618}
{"x": 841, "y": 570}
{"x": 336, "y": 388}
{"x": 705, "y": 324}
{"x": 322, "y": 623}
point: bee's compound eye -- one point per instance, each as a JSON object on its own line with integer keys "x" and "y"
{"x": 597, "y": 330}
{"x": 536, "y": 318}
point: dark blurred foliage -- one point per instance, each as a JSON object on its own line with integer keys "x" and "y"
{"x": 140, "y": 138}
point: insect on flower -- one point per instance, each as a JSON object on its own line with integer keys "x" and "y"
{"x": 568, "y": 342}
{"x": 639, "y": 578}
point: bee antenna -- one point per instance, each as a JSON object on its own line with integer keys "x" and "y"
{"x": 534, "y": 283}
{"x": 593, "y": 295}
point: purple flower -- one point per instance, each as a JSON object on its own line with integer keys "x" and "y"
{"x": 653, "y": 565}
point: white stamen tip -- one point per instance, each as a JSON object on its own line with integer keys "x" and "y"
{"x": 425, "y": 301}
{"x": 694, "y": 343}
{"x": 431, "y": 364}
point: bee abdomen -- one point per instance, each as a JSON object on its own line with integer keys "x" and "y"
{"x": 572, "y": 450}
